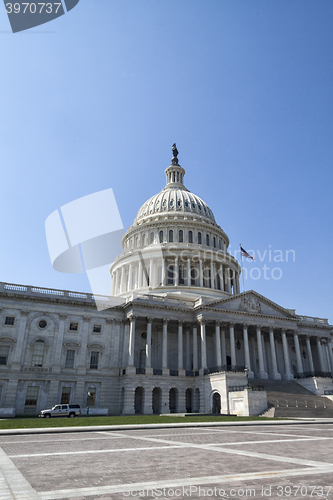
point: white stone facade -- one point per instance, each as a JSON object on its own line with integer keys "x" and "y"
{"x": 178, "y": 342}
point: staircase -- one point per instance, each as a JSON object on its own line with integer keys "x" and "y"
{"x": 290, "y": 399}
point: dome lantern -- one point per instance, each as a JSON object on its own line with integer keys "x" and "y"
{"x": 175, "y": 173}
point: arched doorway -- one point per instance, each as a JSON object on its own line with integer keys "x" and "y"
{"x": 173, "y": 396}
{"x": 138, "y": 400}
{"x": 216, "y": 403}
{"x": 188, "y": 400}
{"x": 157, "y": 397}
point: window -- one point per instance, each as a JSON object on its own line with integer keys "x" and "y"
{"x": 91, "y": 397}
{"x": 94, "y": 360}
{"x": 170, "y": 236}
{"x": 170, "y": 275}
{"x": 151, "y": 237}
{"x": 73, "y": 327}
{"x": 181, "y": 275}
{"x": 161, "y": 236}
{"x": 199, "y": 238}
{"x": 143, "y": 240}
{"x": 10, "y": 320}
{"x": 32, "y": 396}
{"x": 38, "y": 353}
{"x": 190, "y": 237}
{"x": 42, "y": 324}
{"x": 97, "y": 329}
{"x": 192, "y": 276}
{"x": 65, "y": 395}
{"x": 214, "y": 242}
{"x": 4, "y": 353}
{"x": 181, "y": 236}
{"x": 70, "y": 356}
{"x": 207, "y": 240}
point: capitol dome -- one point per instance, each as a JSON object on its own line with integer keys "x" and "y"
{"x": 175, "y": 246}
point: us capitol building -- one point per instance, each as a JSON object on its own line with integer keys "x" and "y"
{"x": 182, "y": 339}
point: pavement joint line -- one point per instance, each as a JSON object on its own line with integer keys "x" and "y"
{"x": 174, "y": 483}
{"x": 18, "y": 487}
{"x": 85, "y": 452}
{"x": 264, "y": 456}
{"x": 249, "y": 423}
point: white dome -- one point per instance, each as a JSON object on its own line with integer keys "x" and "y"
{"x": 172, "y": 200}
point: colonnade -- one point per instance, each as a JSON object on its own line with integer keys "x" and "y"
{"x": 254, "y": 354}
{"x": 175, "y": 271}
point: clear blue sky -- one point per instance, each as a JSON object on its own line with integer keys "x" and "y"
{"x": 96, "y": 98}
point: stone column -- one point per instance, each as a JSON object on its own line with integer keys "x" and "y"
{"x": 320, "y": 355}
{"x": 275, "y": 374}
{"x": 59, "y": 338}
{"x": 176, "y": 272}
{"x": 122, "y": 279}
{"x": 195, "y": 348}
{"x": 223, "y": 349}
{"x": 131, "y": 346}
{"x": 148, "y": 401}
{"x": 149, "y": 370}
{"x": 212, "y": 275}
{"x": 130, "y": 277}
{"x": 262, "y": 374}
{"x": 151, "y": 273}
{"x": 82, "y": 363}
{"x": 181, "y": 370}
{"x": 165, "y": 404}
{"x": 309, "y": 352}
{"x": 218, "y": 344}
{"x": 330, "y": 355}
{"x": 187, "y": 350}
{"x": 227, "y": 279}
{"x": 232, "y": 345}
{"x": 298, "y": 354}
{"x": 165, "y": 370}
{"x": 200, "y": 273}
{"x": 189, "y": 272}
{"x": 253, "y": 355}
{"x": 124, "y": 329}
{"x": 288, "y": 373}
{"x": 113, "y": 277}
{"x": 203, "y": 345}
{"x": 140, "y": 274}
{"x": 16, "y": 365}
{"x": 247, "y": 350}
{"x": 327, "y": 358}
{"x": 221, "y": 278}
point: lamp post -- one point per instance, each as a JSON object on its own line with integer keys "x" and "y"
{"x": 88, "y": 401}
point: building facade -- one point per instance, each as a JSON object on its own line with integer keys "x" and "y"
{"x": 178, "y": 339}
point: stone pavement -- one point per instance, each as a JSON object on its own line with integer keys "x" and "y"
{"x": 256, "y": 460}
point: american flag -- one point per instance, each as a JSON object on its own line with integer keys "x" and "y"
{"x": 245, "y": 254}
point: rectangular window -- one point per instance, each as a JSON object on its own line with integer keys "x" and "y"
{"x": 10, "y": 320}
{"x": 74, "y": 327}
{"x": 91, "y": 397}
{"x": 70, "y": 355}
{"x": 94, "y": 360}
{"x": 32, "y": 396}
{"x": 97, "y": 329}
{"x": 65, "y": 395}
{"x": 4, "y": 353}
{"x": 38, "y": 353}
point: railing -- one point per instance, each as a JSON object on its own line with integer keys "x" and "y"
{"x": 299, "y": 403}
{"x": 192, "y": 373}
{"x": 328, "y": 393}
{"x": 157, "y": 371}
{"x": 224, "y": 368}
{"x": 236, "y": 388}
{"x": 140, "y": 371}
{"x": 173, "y": 373}
{"x": 313, "y": 374}
{"x": 257, "y": 387}
{"x": 35, "y": 369}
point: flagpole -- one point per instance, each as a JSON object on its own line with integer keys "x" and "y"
{"x": 240, "y": 246}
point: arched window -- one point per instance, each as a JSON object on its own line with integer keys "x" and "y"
{"x": 170, "y": 236}
{"x": 181, "y": 275}
{"x": 38, "y": 353}
{"x": 207, "y": 240}
{"x": 143, "y": 240}
{"x": 199, "y": 238}
{"x": 214, "y": 242}
{"x": 181, "y": 236}
{"x": 161, "y": 236}
{"x": 151, "y": 238}
{"x": 170, "y": 275}
{"x": 190, "y": 237}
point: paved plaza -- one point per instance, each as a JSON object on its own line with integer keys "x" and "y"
{"x": 252, "y": 461}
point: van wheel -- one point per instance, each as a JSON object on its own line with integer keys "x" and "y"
{"x": 71, "y": 415}
{"x": 47, "y": 415}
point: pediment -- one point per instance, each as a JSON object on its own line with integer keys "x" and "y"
{"x": 253, "y": 303}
